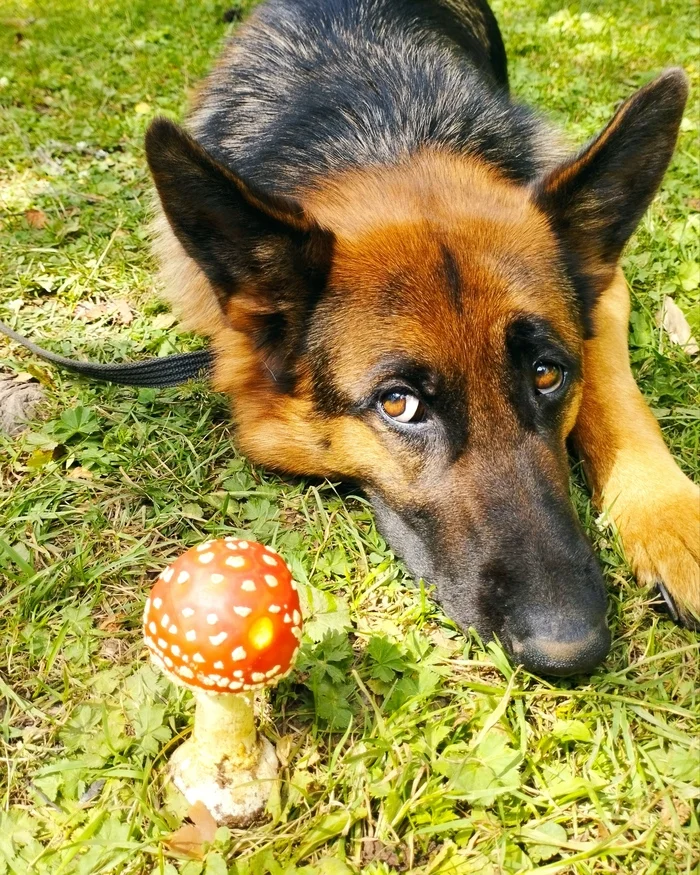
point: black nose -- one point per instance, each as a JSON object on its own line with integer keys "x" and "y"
{"x": 565, "y": 648}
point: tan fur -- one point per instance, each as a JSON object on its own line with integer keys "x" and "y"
{"x": 654, "y": 506}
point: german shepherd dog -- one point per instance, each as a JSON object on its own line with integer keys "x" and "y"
{"x": 408, "y": 284}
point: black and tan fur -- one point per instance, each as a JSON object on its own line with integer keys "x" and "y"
{"x": 360, "y": 212}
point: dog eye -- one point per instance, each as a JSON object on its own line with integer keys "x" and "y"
{"x": 548, "y": 377}
{"x": 402, "y": 406}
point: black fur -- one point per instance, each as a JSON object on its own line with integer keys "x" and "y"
{"x": 318, "y": 85}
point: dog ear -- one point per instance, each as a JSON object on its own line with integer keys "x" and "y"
{"x": 595, "y": 200}
{"x": 244, "y": 241}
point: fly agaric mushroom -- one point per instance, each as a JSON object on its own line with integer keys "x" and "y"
{"x": 224, "y": 620}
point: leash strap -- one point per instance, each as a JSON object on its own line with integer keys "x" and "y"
{"x": 155, "y": 373}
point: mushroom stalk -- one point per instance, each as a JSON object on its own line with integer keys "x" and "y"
{"x": 225, "y": 723}
{"x": 224, "y": 764}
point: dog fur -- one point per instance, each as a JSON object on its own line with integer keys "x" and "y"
{"x": 361, "y": 218}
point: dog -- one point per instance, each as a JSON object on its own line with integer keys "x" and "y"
{"x": 410, "y": 284}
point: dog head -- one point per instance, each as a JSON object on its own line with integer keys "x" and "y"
{"x": 419, "y": 329}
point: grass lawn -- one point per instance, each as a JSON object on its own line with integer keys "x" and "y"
{"x": 405, "y": 746}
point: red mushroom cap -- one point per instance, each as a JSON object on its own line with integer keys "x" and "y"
{"x": 224, "y": 617}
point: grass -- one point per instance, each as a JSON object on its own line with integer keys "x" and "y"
{"x": 405, "y": 746}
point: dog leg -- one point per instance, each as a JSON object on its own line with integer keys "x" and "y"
{"x": 654, "y": 506}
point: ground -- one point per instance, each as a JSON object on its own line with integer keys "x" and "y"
{"x": 404, "y": 746}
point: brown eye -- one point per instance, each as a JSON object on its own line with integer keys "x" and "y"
{"x": 548, "y": 377}
{"x": 402, "y": 406}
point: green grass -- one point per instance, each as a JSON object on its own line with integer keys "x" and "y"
{"x": 405, "y": 746}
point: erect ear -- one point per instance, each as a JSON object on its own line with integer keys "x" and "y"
{"x": 595, "y": 200}
{"x": 243, "y": 240}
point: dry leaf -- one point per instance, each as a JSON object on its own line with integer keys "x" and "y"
{"x": 142, "y": 108}
{"x": 190, "y": 839}
{"x": 18, "y": 402}
{"x": 122, "y": 312}
{"x": 79, "y": 473}
{"x": 118, "y": 310}
{"x": 90, "y": 312}
{"x": 164, "y": 320}
{"x": 676, "y": 326}
{"x": 36, "y": 219}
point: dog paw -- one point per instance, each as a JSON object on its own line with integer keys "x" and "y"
{"x": 662, "y": 544}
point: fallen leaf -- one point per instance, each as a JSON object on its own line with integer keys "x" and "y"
{"x": 36, "y": 219}
{"x": 122, "y": 312}
{"x": 694, "y": 203}
{"x": 374, "y": 850}
{"x": 676, "y": 326}
{"x": 92, "y": 792}
{"x": 118, "y": 310}
{"x": 18, "y": 402}
{"x": 90, "y": 312}
{"x": 79, "y": 473}
{"x": 142, "y": 108}
{"x": 190, "y": 839}
{"x": 164, "y": 320}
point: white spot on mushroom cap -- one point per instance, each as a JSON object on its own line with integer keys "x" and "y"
{"x": 224, "y": 682}
{"x": 296, "y": 617}
{"x": 296, "y": 631}
{"x": 147, "y": 606}
{"x": 162, "y": 643}
{"x": 165, "y": 621}
{"x": 293, "y": 584}
{"x": 205, "y": 545}
{"x": 198, "y": 658}
{"x": 217, "y": 578}
{"x": 271, "y": 580}
{"x": 235, "y": 685}
{"x": 274, "y": 609}
{"x": 157, "y": 603}
{"x": 183, "y": 577}
{"x": 185, "y": 672}
{"x": 152, "y": 628}
{"x": 187, "y": 612}
{"x": 218, "y": 639}
{"x": 238, "y": 673}
{"x": 167, "y": 574}
{"x": 273, "y": 671}
{"x": 235, "y": 561}
{"x": 257, "y": 677}
{"x": 218, "y": 664}
{"x": 205, "y": 558}
{"x": 212, "y": 619}
{"x": 173, "y": 629}
{"x": 168, "y": 661}
{"x": 269, "y": 560}
{"x": 191, "y": 635}
{"x": 242, "y": 611}
{"x": 238, "y": 654}
{"x": 243, "y": 545}
{"x": 287, "y": 618}
{"x": 175, "y": 650}
{"x": 248, "y": 586}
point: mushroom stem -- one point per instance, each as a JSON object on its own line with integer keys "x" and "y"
{"x": 225, "y": 764}
{"x": 225, "y": 722}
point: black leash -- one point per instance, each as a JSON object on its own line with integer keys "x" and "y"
{"x": 156, "y": 373}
